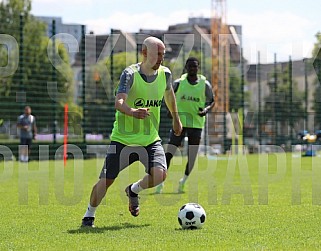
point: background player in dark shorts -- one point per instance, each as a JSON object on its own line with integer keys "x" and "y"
{"x": 195, "y": 98}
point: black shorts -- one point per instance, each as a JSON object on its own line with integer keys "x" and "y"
{"x": 25, "y": 142}
{"x": 119, "y": 156}
{"x": 193, "y": 135}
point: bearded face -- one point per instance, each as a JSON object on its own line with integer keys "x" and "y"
{"x": 155, "y": 56}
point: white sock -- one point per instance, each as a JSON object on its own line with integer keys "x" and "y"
{"x": 90, "y": 211}
{"x": 184, "y": 178}
{"x": 22, "y": 157}
{"x": 26, "y": 158}
{"x": 136, "y": 188}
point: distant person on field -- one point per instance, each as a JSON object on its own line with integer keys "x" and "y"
{"x": 195, "y": 98}
{"x": 134, "y": 137}
{"x": 28, "y": 130}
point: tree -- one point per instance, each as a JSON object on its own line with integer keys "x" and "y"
{"x": 28, "y": 85}
{"x": 316, "y": 53}
{"x": 10, "y": 12}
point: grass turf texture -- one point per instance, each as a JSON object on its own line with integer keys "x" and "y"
{"x": 241, "y": 213}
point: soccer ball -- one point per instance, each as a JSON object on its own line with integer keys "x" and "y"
{"x": 191, "y": 216}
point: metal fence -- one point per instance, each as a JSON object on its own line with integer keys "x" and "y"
{"x": 36, "y": 71}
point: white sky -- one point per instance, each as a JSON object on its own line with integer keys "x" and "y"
{"x": 285, "y": 27}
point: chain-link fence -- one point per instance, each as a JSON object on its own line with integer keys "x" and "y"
{"x": 38, "y": 69}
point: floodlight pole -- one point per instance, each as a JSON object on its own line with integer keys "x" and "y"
{"x": 83, "y": 76}
{"x": 306, "y": 93}
{"x": 274, "y": 101}
{"x": 258, "y": 72}
{"x": 21, "y": 62}
{"x": 291, "y": 98}
{"x": 54, "y": 79}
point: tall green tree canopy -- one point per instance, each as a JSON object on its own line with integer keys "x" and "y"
{"x": 28, "y": 85}
{"x": 316, "y": 54}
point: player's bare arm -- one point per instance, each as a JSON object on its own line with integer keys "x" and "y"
{"x": 171, "y": 104}
{"x": 210, "y": 102}
{"x": 121, "y": 105}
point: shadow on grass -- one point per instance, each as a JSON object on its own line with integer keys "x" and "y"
{"x": 98, "y": 230}
{"x": 165, "y": 193}
{"x": 186, "y": 229}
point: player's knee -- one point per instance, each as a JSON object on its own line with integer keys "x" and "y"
{"x": 164, "y": 175}
{"x": 159, "y": 174}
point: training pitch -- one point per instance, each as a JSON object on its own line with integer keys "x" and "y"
{"x": 261, "y": 202}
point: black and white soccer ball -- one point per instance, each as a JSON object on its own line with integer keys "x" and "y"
{"x": 191, "y": 216}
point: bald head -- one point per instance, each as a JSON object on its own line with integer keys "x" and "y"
{"x": 151, "y": 43}
{"x": 153, "y": 50}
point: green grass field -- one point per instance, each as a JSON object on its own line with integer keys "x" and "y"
{"x": 252, "y": 202}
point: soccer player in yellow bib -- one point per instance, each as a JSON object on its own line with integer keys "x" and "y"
{"x": 194, "y": 97}
{"x": 134, "y": 137}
